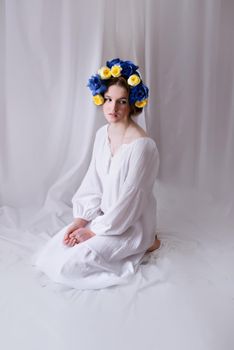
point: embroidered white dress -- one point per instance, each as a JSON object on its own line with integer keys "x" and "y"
{"x": 116, "y": 197}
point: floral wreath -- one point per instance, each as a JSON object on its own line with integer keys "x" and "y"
{"x": 115, "y": 68}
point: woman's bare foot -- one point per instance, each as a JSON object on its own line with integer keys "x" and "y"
{"x": 154, "y": 246}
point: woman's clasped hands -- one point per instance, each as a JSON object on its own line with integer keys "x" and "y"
{"x": 77, "y": 233}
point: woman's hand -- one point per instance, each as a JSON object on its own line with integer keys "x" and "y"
{"x": 78, "y": 223}
{"x": 80, "y": 235}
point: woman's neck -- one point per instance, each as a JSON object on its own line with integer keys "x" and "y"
{"x": 117, "y": 133}
{"x": 119, "y": 127}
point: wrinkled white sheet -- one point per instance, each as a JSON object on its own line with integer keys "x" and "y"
{"x": 181, "y": 298}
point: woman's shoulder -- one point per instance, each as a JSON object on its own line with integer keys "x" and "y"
{"x": 135, "y": 131}
{"x": 101, "y": 133}
{"x": 139, "y": 138}
{"x": 143, "y": 145}
{"x": 143, "y": 154}
{"x": 102, "y": 130}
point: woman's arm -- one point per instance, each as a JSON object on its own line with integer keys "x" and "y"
{"x": 138, "y": 185}
{"x": 87, "y": 199}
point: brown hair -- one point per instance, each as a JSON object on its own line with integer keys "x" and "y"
{"x": 122, "y": 82}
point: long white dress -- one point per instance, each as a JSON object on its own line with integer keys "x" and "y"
{"x": 116, "y": 197}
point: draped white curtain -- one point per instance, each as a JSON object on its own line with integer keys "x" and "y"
{"x": 49, "y": 49}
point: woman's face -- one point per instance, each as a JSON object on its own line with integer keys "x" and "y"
{"x": 116, "y": 106}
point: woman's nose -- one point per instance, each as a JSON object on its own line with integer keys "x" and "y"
{"x": 114, "y": 106}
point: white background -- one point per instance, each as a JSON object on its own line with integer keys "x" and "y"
{"x": 49, "y": 49}
{"x": 182, "y": 297}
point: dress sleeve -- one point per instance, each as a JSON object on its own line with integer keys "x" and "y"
{"x": 138, "y": 185}
{"x": 87, "y": 199}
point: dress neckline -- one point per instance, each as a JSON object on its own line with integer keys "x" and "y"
{"x": 123, "y": 144}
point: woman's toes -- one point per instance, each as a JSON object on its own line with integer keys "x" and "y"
{"x": 154, "y": 246}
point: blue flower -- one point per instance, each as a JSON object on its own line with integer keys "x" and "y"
{"x": 138, "y": 93}
{"x": 128, "y": 68}
{"x": 115, "y": 61}
{"x": 96, "y": 85}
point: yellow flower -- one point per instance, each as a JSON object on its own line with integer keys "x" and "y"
{"x": 116, "y": 71}
{"x": 134, "y": 80}
{"x": 141, "y": 104}
{"x": 98, "y": 100}
{"x": 104, "y": 72}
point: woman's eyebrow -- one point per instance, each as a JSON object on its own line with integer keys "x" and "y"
{"x": 121, "y": 98}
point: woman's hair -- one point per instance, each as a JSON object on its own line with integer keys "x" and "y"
{"x": 122, "y": 82}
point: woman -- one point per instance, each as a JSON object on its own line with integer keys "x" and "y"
{"x": 114, "y": 208}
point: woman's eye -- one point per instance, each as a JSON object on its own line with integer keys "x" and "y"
{"x": 123, "y": 102}
{"x": 108, "y": 99}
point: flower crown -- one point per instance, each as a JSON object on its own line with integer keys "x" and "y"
{"x": 117, "y": 68}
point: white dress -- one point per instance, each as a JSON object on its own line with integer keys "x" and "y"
{"x": 116, "y": 197}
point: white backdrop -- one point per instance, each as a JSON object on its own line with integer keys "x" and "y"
{"x": 183, "y": 293}
{"x": 49, "y": 49}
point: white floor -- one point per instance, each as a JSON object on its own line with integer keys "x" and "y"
{"x": 181, "y": 298}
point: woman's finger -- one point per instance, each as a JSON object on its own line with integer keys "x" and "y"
{"x": 70, "y": 230}
{"x": 67, "y": 235}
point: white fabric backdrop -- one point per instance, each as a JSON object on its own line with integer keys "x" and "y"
{"x": 50, "y": 48}
{"x": 184, "y": 293}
